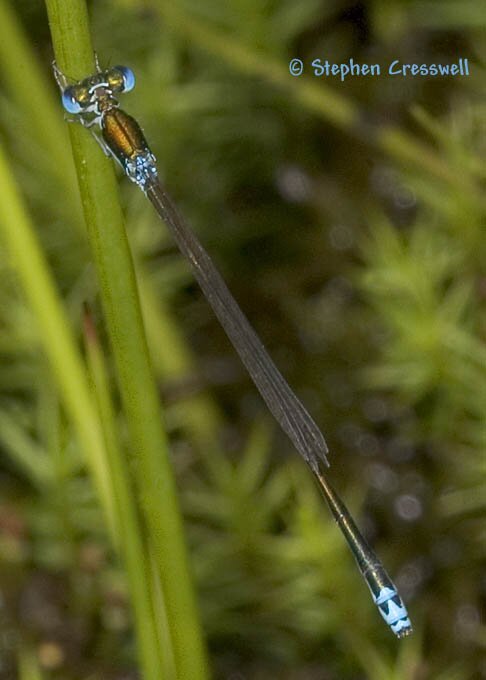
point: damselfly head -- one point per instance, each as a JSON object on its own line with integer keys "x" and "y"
{"x": 86, "y": 95}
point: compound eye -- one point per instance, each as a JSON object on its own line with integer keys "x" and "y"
{"x": 128, "y": 78}
{"x": 70, "y": 100}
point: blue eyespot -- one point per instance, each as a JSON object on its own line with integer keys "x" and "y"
{"x": 69, "y": 101}
{"x": 128, "y": 77}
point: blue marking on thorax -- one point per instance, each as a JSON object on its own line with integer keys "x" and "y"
{"x": 141, "y": 169}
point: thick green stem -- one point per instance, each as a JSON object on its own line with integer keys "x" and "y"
{"x": 134, "y": 551}
{"x": 118, "y": 290}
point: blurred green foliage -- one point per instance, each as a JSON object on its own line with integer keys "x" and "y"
{"x": 361, "y": 263}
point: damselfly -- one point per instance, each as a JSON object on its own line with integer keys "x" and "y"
{"x": 93, "y": 101}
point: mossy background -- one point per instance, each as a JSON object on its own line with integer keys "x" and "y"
{"x": 362, "y": 266}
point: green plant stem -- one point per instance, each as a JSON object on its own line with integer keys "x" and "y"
{"x": 23, "y": 452}
{"x": 55, "y": 333}
{"x": 135, "y": 553}
{"x": 156, "y": 487}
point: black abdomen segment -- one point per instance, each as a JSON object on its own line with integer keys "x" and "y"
{"x": 383, "y": 590}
